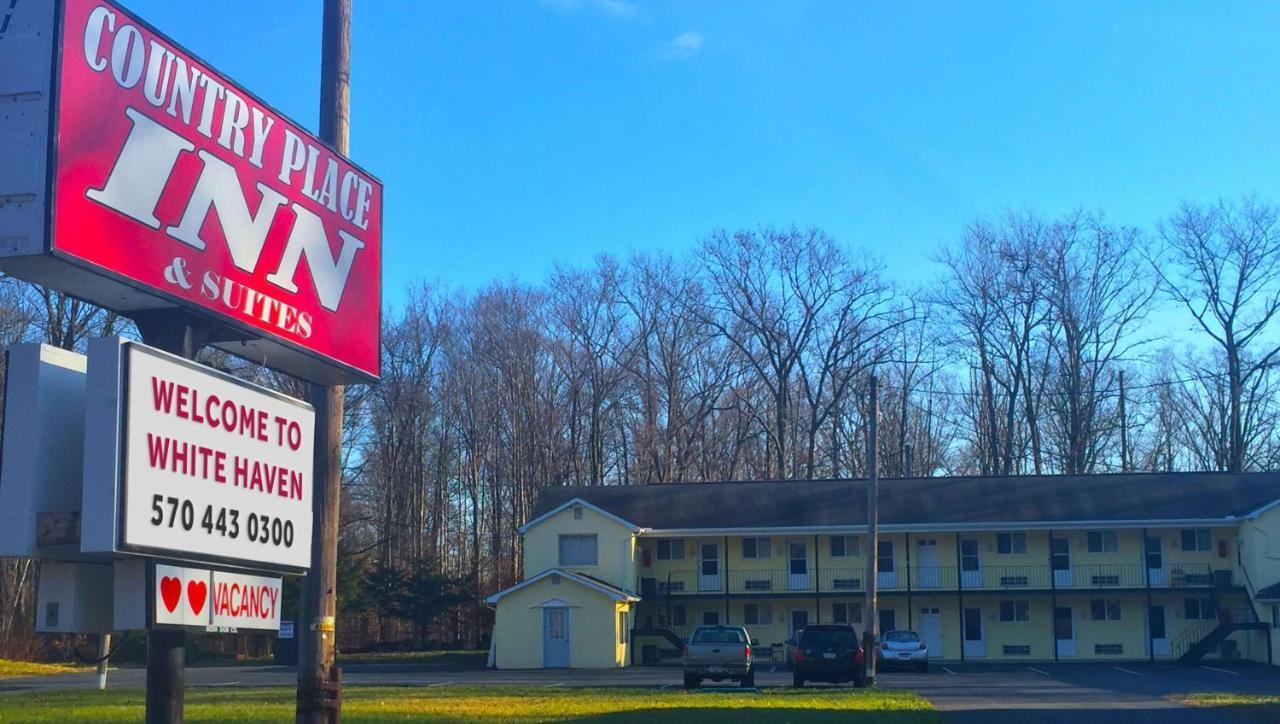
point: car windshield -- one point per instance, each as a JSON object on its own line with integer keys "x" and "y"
{"x": 834, "y": 638}
{"x": 719, "y": 636}
{"x": 902, "y": 637}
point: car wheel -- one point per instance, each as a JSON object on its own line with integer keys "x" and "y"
{"x": 859, "y": 681}
{"x": 924, "y": 667}
{"x": 797, "y": 680}
{"x": 748, "y": 681}
{"x": 691, "y": 682}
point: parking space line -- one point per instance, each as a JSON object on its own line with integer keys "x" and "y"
{"x": 1225, "y": 671}
{"x": 440, "y": 683}
{"x": 555, "y": 686}
{"x": 1038, "y": 671}
{"x": 1127, "y": 671}
{"x": 949, "y": 671}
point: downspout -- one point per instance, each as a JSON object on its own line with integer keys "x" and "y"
{"x": 910, "y": 620}
{"x": 817, "y": 582}
{"x": 726, "y": 579}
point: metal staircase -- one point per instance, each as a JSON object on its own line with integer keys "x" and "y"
{"x": 1196, "y": 642}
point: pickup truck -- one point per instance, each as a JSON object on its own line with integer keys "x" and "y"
{"x": 718, "y": 653}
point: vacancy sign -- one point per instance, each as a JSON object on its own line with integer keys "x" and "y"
{"x": 214, "y": 468}
{"x": 214, "y": 600}
{"x": 139, "y": 177}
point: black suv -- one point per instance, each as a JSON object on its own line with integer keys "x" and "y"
{"x": 829, "y": 653}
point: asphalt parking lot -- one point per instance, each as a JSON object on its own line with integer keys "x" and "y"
{"x": 965, "y": 693}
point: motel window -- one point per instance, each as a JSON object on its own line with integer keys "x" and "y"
{"x": 1275, "y": 617}
{"x": 754, "y": 614}
{"x": 888, "y": 620}
{"x": 1017, "y": 650}
{"x": 844, "y": 546}
{"x": 1011, "y": 543}
{"x": 1011, "y": 611}
{"x": 1108, "y": 649}
{"x": 755, "y": 547}
{"x": 710, "y": 618}
{"x": 1103, "y": 541}
{"x": 885, "y": 557}
{"x": 671, "y": 549}
{"x": 846, "y": 613}
{"x": 1196, "y": 539}
{"x": 677, "y": 616}
{"x": 1199, "y": 609}
{"x": 622, "y": 627}
{"x": 1107, "y": 609}
{"x": 578, "y": 550}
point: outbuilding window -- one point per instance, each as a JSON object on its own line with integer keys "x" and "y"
{"x": 671, "y": 549}
{"x": 1196, "y": 539}
{"x": 1011, "y": 543}
{"x": 755, "y": 547}
{"x": 1104, "y": 609}
{"x": 844, "y": 546}
{"x": 1103, "y": 541}
{"x": 578, "y": 550}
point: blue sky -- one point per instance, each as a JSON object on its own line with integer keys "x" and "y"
{"x": 515, "y": 134}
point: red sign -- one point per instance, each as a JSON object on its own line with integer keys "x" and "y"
{"x": 173, "y": 180}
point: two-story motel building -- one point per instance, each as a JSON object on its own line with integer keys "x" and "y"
{"x": 1176, "y": 566}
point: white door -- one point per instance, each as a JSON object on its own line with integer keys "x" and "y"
{"x": 1064, "y": 631}
{"x": 709, "y": 567}
{"x": 886, "y": 566}
{"x": 931, "y": 631}
{"x": 974, "y": 644}
{"x": 1156, "y": 572}
{"x": 555, "y": 638}
{"x": 970, "y": 564}
{"x": 1060, "y": 561}
{"x": 927, "y": 564}
{"x": 797, "y": 566}
{"x": 1159, "y": 635}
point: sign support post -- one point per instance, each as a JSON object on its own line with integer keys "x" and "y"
{"x": 319, "y": 680}
{"x": 870, "y": 631}
{"x": 175, "y": 332}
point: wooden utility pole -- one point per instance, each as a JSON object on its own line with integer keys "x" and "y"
{"x": 1124, "y": 430}
{"x": 870, "y": 631}
{"x": 319, "y": 680}
{"x": 178, "y": 333}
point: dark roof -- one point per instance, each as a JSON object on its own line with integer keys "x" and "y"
{"x": 930, "y": 501}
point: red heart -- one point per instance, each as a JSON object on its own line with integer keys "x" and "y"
{"x": 170, "y": 592}
{"x": 196, "y": 592}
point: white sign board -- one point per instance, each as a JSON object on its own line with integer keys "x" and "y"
{"x": 214, "y": 467}
{"x": 189, "y": 464}
{"x": 214, "y": 600}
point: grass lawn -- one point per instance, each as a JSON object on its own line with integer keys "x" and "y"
{"x": 1249, "y": 707}
{"x": 10, "y": 669}
{"x": 507, "y": 704}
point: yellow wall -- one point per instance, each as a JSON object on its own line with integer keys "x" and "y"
{"x": 593, "y": 626}
{"x": 615, "y": 547}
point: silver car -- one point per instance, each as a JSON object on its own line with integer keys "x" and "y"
{"x": 903, "y": 648}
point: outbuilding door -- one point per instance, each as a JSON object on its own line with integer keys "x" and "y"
{"x": 931, "y": 631}
{"x": 555, "y": 638}
{"x": 1155, "y": 562}
{"x": 1159, "y": 635}
{"x": 927, "y": 563}
{"x": 1064, "y": 631}
{"x": 709, "y": 567}
{"x": 797, "y": 566}
{"x": 974, "y": 643}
